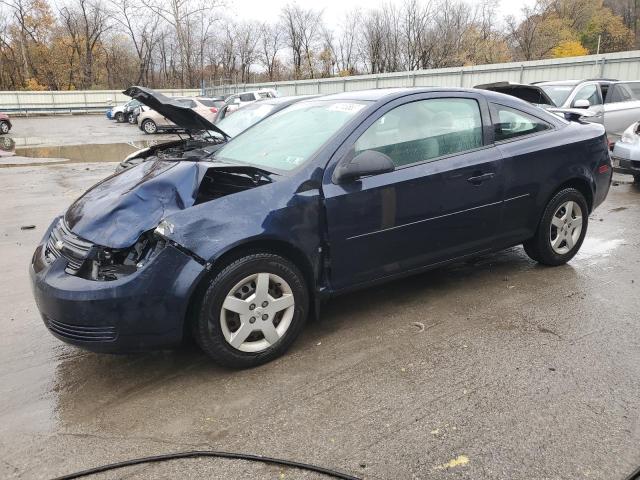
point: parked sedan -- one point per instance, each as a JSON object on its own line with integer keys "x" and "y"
{"x": 5, "y": 123}
{"x": 325, "y": 196}
{"x": 153, "y": 121}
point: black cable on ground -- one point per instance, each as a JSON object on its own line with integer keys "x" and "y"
{"x": 209, "y": 453}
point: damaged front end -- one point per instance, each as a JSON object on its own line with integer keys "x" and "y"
{"x": 119, "y": 224}
{"x": 95, "y": 262}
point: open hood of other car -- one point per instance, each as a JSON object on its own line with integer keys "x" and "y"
{"x": 182, "y": 116}
{"x": 528, "y": 93}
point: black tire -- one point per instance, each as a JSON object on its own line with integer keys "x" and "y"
{"x": 539, "y": 247}
{"x": 119, "y": 117}
{"x": 4, "y": 127}
{"x": 131, "y": 119}
{"x": 149, "y": 127}
{"x": 207, "y": 328}
{"x": 636, "y": 179}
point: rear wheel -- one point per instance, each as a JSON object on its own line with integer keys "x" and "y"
{"x": 4, "y": 127}
{"x": 561, "y": 230}
{"x": 252, "y": 311}
{"x": 149, "y": 126}
{"x": 131, "y": 118}
{"x": 119, "y": 117}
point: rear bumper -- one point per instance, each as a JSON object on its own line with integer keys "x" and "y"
{"x": 142, "y": 311}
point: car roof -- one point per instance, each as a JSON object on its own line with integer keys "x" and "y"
{"x": 383, "y": 95}
{"x": 560, "y": 82}
{"x": 386, "y": 94}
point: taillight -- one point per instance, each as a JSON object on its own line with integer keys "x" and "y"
{"x": 603, "y": 169}
{"x": 213, "y": 110}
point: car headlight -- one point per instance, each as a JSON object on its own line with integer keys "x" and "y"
{"x": 630, "y": 135}
{"x": 107, "y": 264}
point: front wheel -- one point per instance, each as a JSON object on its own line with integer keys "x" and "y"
{"x": 561, "y": 230}
{"x": 131, "y": 119}
{"x": 149, "y": 126}
{"x": 119, "y": 117}
{"x": 252, "y": 311}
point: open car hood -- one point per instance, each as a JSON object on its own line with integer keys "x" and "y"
{"x": 528, "y": 93}
{"x": 184, "y": 117}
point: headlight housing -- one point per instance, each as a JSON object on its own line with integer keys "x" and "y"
{"x": 106, "y": 264}
{"x": 630, "y": 135}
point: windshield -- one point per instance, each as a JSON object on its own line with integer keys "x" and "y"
{"x": 244, "y": 118}
{"x": 558, "y": 93}
{"x": 288, "y": 139}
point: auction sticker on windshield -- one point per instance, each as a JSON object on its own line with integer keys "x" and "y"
{"x": 345, "y": 107}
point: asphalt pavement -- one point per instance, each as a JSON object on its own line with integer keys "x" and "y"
{"x": 493, "y": 368}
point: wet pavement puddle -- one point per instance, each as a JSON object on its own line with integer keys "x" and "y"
{"x": 16, "y": 156}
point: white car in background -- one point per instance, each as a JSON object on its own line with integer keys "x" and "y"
{"x": 238, "y": 100}
{"x": 626, "y": 153}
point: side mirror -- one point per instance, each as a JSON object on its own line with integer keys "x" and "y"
{"x": 368, "y": 162}
{"x": 582, "y": 103}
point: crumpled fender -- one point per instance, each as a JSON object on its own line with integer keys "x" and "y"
{"x": 277, "y": 211}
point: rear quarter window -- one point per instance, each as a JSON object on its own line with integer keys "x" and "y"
{"x": 510, "y": 123}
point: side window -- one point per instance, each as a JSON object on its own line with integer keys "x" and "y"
{"x": 590, "y": 93}
{"x": 624, "y": 92}
{"x": 247, "y": 97}
{"x": 424, "y": 130}
{"x": 185, "y": 102}
{"x": 514, "y": 123}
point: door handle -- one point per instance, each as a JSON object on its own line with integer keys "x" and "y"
{"x": 478, "y": 179}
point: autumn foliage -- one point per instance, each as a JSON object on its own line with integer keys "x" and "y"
{"x": 92, "y": 44}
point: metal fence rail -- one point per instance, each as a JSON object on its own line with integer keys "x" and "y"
{"x": 80, "y": 101}
{"x": 620, "y": 65}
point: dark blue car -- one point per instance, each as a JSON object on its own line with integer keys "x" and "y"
{"x": 328, "y": 195}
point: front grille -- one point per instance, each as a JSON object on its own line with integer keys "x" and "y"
{"x": 62, "y": 242}
{"x": 81, "y": 333}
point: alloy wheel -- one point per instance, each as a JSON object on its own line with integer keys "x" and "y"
{"x": 4, "y": 127}
{"x": 150, "y": 127}
{"x": 257, "y": 312}
{"x": 566, "y": 227}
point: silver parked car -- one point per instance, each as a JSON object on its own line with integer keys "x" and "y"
{"x": 616, "y": 104}
{"x": 626, "y": 152}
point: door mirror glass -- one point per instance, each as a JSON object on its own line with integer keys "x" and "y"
{"x": 582, "y": 103}
{"x": 368, "y": 162}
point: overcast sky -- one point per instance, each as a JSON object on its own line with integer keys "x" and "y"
{"x": 269, "y": 10}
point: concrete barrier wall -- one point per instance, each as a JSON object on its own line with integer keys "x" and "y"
{"x": 621, "y": 65}
{"x": 19, "y": 102}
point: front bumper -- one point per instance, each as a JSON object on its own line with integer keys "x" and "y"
{"x": 622, "y": 165}
{"x": 626, "y": 158}
{"x": 142, "y": 311}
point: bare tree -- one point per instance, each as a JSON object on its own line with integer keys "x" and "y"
{"x": 142, "y": 31}
{"x": 246, "y": 34}
{"x": 86, "y": 21}
{"x": 271, "y": 40}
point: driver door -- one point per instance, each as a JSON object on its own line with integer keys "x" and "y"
{"x": 442, "y": 201}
